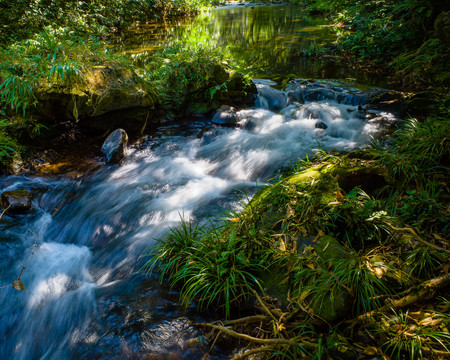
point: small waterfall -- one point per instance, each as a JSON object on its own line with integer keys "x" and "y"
{"x": 84, "y": 297}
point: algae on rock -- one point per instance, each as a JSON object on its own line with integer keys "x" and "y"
{"x": 103, "y": 90}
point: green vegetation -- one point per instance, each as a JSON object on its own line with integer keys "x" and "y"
{"x": 180, "y": 70}
{"x": 23, "y": 18}
{"x": 405, "y": 38}
{"x": 51, "y": 59}
{"x": 57, "y": 46}
{"x": 325, "y": 261}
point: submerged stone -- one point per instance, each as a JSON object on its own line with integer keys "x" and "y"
{"x": 270, "y": 98}
{"x": 17, "y": 201}
{"x": 115, "y": 146}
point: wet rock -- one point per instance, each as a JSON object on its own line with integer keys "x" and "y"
{"x": 17, "y": 201}
{"x": 319, "y": 95}
{"x": 225, "y": 116}
{"x": 270, "y": 98}
{"x": 442, "y": 27}
{"x": 350, "y": 98}
{"x": 321, "y": 125}
{"x": 115, "y": 146}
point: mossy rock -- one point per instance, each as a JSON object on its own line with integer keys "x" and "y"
{"x": 442, "y": 27}
{"x": 104, "y": 90}
{"x": 333, "y": 307}
{"x": 321, "y": 185}
{"x": 329, "y": 249}
{"x": 358, "y": 168}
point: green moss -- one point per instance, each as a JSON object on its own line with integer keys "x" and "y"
{"x": 329, "y": 249}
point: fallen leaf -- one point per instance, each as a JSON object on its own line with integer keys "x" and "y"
{"x": 437, "y": 237}
{"x": 18, "y": 285}
{"x": 371, "y": 350}
{"x": 304, "y": 295}
{"x": 430, "y": 321}
{"x": 334, "y": 203}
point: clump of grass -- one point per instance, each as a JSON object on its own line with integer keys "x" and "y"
{"x": 419, "y": 150}
{"x": 211, "y": 267}
{"x": 8, "y": 149}
{"x": 422, "y": 262}
{"x": 17, "y": 92}
{"x": 405, "y": 337}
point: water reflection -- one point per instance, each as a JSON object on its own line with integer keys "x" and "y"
{"x": 267, "y": 41}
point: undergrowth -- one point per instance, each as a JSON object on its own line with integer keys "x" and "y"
{"x": 348, "y": 261}
{"x": 53, "y": 58}
{"x": 180, "y": 70}
{"x": 395, "y": 35}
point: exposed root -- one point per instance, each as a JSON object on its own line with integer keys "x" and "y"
{"x": 417, "y": 237}
{"x": 422, "y": 292}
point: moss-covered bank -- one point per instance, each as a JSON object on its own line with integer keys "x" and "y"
{"x": 57, "y": 86}
{"x": 343, "y": 257}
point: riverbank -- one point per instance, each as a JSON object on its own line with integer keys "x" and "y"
{"x": 343, "y": 255}
{"x": 404, "y": 40}
{"x": 173, "y": 73}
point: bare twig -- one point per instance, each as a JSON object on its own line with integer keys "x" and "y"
{"x": 5, "y": 210}
{"x": 247, "y": 320}
{"x": 263, "y": 305}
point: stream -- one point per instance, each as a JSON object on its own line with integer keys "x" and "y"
{"x": 85, "y": 240}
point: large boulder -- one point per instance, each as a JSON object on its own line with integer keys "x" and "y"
{"x": 115, "y": 146}
{"x": 16, "y": 201}
{"x": 104, "y": 90}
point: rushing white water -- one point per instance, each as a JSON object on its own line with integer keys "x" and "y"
{"x": 91, "y": 233}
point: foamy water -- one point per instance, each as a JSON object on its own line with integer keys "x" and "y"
{"x": 91, "y": 234}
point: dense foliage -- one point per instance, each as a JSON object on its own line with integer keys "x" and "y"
{"x": 400, "y": 35}
{"x": 22, "y": 18}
